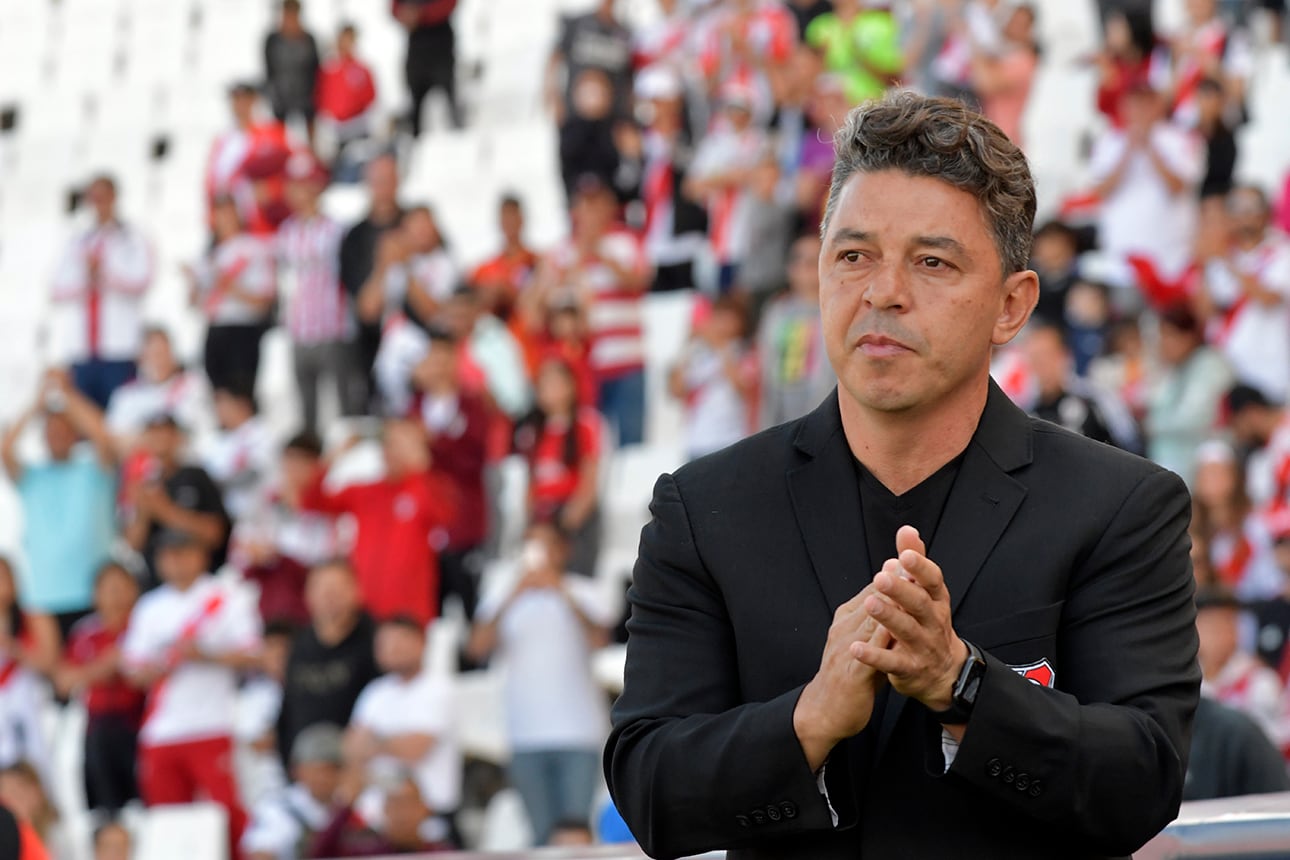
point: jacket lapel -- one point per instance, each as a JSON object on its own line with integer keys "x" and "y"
{"x": 826, "y": 502}
{"x": 981, "y": 503}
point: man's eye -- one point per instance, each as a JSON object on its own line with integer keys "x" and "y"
{"x": 851, "y": 256}
{"x": 934, "y": 262}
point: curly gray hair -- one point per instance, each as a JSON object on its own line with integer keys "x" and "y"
{"x": 943, "y": 139}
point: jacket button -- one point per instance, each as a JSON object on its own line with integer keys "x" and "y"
{"x": 1008, "y": 775}
{"x": 994, "y": 767}
{"x": 773, "y": 813}
{"x": 758, "y": 817}
{"x": 1022, "y": 781}
{"x": 789, "y": 809}
{"x": 743, "y": 821}
{"x": 1036, "y": 788}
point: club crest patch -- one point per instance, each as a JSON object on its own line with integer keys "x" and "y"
{"x": 1040, "y": 673}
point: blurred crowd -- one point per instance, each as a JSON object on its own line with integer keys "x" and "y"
{"x": 244, "y": 617}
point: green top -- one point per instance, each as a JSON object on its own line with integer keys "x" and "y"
{"x": 869, "y": 43}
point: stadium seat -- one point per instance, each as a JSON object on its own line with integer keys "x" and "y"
{"x": 195, "y": 831}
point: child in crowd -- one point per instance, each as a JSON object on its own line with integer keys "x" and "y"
{"x": 716, "y": 377}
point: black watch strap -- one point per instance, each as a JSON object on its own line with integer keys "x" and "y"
{"x": 966, "y": 688}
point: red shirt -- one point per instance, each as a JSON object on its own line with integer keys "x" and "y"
{"x": 396, "y": 564}
{"x": 344, "y": 89}
{"x": 552, "y": 479}
{"x": 88, "y": 641}
{"x": 578, "y": 357}
{"x": 458, "y": 452}
{"x": 509, "y": 273}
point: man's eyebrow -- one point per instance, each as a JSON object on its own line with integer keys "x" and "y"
{"x": 849, "y": 234}
{"x": 944, "y": 242}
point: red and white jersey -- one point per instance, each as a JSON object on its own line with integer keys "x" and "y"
{"x": 195, "y": 700}
{"x": 665, "y": 42}
{"x": 237, "y": 159}
{"x": 186, "y": 395}
{"x": 306, "y": 537}
{"x": 720, "y": 152}
{"x": 22, "y": 736}
{"x": 1250, "y": 686}
{"x": 658, "y": 192}
{"x": 615, "y": 315}
{"x": 98, "y": 292}
{"x": 1254, "y": 337}
{"x": 403, "y": 345}
{"x": 240, "y": 460}
{"x": 769, "y": 33}
{"x": 317, "y": 307}
{"x": 1212, "y": 42}
{"x": 434, "y": 273}
{"x": 245, "y": 260}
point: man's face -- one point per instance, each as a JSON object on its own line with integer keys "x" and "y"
{"x": 912, "y": 293}
{"x": 162, "y": 441}
{"x": 404, "y": 445}
{"x": 243, "y": 106}
{"x": 115, "y": 594}
{"x": 181, "y": 565}
{"x": 345, "y": 43}
{"x": 157, "y": 359}
{"x": 330, "y": 594}
{"x": 113, "y": 843}
{"x": 383, "y": 180}
{"x": 398, "y": 649}
{"x": 60, "y": 436}
{"x": 803, "y": 268}
{"x": 1247, "y": 213}
{"x": 512, "y": 222}
{"x": 404, "y": 813}
{"x": 1048, "y": 359}
{"x": 231, "y": 411}
{"x": 1218, "y": 628}
{"x": 320, "y": 779}
{"x": 102, "y": 197}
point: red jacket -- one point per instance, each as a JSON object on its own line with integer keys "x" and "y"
{"x": 345, "y": 89}
{"x": 396, "y": 565}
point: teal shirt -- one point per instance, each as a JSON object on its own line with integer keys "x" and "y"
{"x": 69, "y": 526}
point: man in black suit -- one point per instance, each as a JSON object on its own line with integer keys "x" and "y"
{"x": 915, "y": 623}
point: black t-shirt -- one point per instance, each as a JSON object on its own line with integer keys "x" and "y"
{"x": 587, "y": 42}
{"x": 884, "y": 512}
{"x": 193, "y": 490}
{"x": 323, "y": 681}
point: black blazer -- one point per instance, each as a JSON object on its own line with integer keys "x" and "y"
{"x": 1054, "y": 548}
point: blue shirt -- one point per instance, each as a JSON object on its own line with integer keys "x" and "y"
{"x": 70, "y": 523}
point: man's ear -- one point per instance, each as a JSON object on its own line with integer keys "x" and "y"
{"x": 1021, "y": 292}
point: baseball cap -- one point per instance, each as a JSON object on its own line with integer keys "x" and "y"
{"x": 319, "y": 743}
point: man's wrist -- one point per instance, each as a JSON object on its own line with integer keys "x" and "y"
{"x": 943, "y": 697}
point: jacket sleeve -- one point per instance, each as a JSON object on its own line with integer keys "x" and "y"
{"x": 1103, "y": 757}
{"x": 690, "y": 765}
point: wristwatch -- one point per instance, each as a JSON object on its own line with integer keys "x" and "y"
{"x": 963, "y": 698}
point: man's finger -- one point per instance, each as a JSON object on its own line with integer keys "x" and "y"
{"x": 924, "y": 571}
{"x": 908, "y": 595}
{"x": 887, "y": 661}
{"x": 904, "y": 627}
{"x": 907, "y": 537}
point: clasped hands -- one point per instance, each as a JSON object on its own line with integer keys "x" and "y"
{"x": 897, "y": 630}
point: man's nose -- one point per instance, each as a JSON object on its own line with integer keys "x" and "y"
{"x": 888, "y": 287}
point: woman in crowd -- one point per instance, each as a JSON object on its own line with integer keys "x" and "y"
{"x": 1240, "y": 550}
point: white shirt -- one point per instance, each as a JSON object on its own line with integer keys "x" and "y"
{"x": 1139, "y": 216}
{"x": 22, "y": 737}
{"x": 551, "y": 699}
{"x": 716, "y": 414}
{"x": 403, "y": 345}
{"x": 240, "y": 461}
{"x": 282, "y": 822}
{"x": 101, "y": 317}
{"x": 1254, "y": 337}
{"x": 186, "y": 396}
{"x": 424, "y": 705}
{"x": 196, "y": 701}
{"x": 250, "y": 261}
{"x": 434, "y": 274}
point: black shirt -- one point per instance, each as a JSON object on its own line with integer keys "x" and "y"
{"x": 1230, "y": 756}
{"x": 358, "y": 252}
{"x": 884, "y": 512}
{"x": 323, "y": 681}
{"x": 193, "y": 490}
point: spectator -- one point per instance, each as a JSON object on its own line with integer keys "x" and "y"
{"x": 1002, "y": 78}
{"x": 112, "y": 841}
{"x": 592, "y": 138}
{"x": 458, "y": 425}
{"x": 28, "y": 639}
{"x": 292, "y": 818}
{"x": 98, "y": 291}
{"x": 414, "y": 271}
{"x": 185, "y": 644}
{"x": 399, "y": 829}
{"x": 748, "y": 43}
{"x": 318, "y": 316}
{"x": 1220, "y": 142}
{"x": 404, "y": 722}
{"x": 162, "y": 385}
{"x": 1240, "y": 550}
{"x": 18, "y": 839}
{"x": 395, "y": 519}
{"x": 763, "y": 232}
{"x": 1054, "y": 256}
{"x": 1272, "y": 614}
{"x": 239, "y": 457}
{"x": 1061, "y": 398}
{"x": 795, "y": 371}
{"x": 113, "y": 706}
{"x": 721, "y": 173}
{"x": 595, "y": 42}
{"x": 1246, "y": 288}
{"x": 603, "y": 268}
{"x": 675, "y": 225}
{"x": 431, "y": 62}
{"x": 502, "y": 278}
{"x": 68, "y": 500}
{"x": 1186, "y": 398}
{"x": 246, "y": 163}
{"x": 560, "y": 331}
{"x": 331, "y": 660}
{"x": 1130, "y": 56}
{"x": 291, "y": 68}
{"x": 1146, "y": 175}
{"x": 358, "y": 251}
{"x": 277, "y": 543}
{"x": 492, "y": 363}
{"x": 562, "y": 444}
{"x": 715, "y": 380}
{"x": 1230, "y": 756}
{"x": 1234, "y": 677}
{"x": 1206, "y": 48}
{"x": 23, "y": 793}
{"x": 1262, "y": 430}
{"x": 235, "y": 290}
{"x": 544, "y": 623}
{"x": 173, "y": 495}
{"x": 259, "y": 770}
{"x": 346, "y": 93}
{"x": 861, "y": 42}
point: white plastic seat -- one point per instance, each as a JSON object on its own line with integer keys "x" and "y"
{"x": 194, "y": 831}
